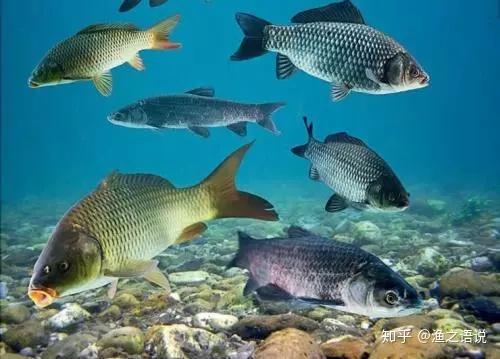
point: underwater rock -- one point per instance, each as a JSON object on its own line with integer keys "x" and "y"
{"x": 178, "y": 341}
{"x": 366, "y": 232}
{"x": 214, "y": 321}
{"x": 417, "y": 320}
{"x": 198, "y": 306}
{"x": 482, "y": 264}
{"x": 71, "y": 314}
{"x": 441, "y": 313}
{"x": 28, "y": 334}
{"x": 126, "y": 301}
{"x": 430, "y": 262}
{"x": 112, "y": 312}
{"x": 4, "y": 290}
{"x": 346, "y": 347}
{"x": 289, "y": 343}
{"x": 190, "y": 265}
{"x": 130, "y": 339}
{"x": 14, "y": 314}
{"x": 13, "y": 356}
{"x": 70, "y": 347}
{"x": 412, "y": 347}
{"x": 260, "y": 326}
{"x": 337, "y": 327}
{"x": 188, "y": 278}
{"x": 463, "y": 283}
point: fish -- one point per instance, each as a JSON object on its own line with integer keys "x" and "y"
{"x": 360, "y": 178}
{"x": 196, "y": 110}
{"x": 130, "y": 4}
{"x": 333, "y": 43}
{"x": 91, "y": 53}
{"x": 117, "y": 230}
{"x": 305, "y": 268}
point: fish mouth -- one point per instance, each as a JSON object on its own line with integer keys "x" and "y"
{"x": 424, "y": 81}
{"x": 42, "y": 297}
{"x": 33, "y": 84}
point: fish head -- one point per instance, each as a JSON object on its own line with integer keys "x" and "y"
{"x": 402, "y": 72}
{"x": 47, "y": 73}
{"x": 131, "y": 116}
{"x": 69, "y": 262}
{"x": 379, "y": 292}
{"x": 388, "y": 194}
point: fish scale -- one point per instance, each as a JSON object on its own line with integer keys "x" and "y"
{"x": 334, "y": 52}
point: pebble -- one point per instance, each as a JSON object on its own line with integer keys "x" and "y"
{"x": 130, "y": 339}
{"x": 15, "y": 314}
{"x": 70, "y": 315}
{"x": 289, "y": 343}
{"x": 188, "y": 278}
{"x": 214, "y": 321}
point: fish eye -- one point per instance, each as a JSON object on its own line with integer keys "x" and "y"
{"x": 391, "y": 297}
{"x": 46, "y": 269}
{"x": 414, "y": 71}
{"x": 392, "y": 197}
{"x": 63, "y": 266}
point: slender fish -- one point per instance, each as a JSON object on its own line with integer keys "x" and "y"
{"x": 94, "y": 51}
{"x": 115, "y": 231}
{"x": 358, "y": 175}
{"x": 306, "y": 268}
{"x": 130, "y": 4}
{"x": 196, "y": 110}
{"x": 333, "y": 43}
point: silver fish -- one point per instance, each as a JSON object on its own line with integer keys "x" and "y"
{"x": 358, "y": 175}
{"x": 130, "y": 4}
{"x": 306, "y": 268}
{"x": 333, "y": 43}
{"x": 196, "y": 110}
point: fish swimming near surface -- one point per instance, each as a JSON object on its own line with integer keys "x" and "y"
{"x": 360, "y": 178}
{"x": 196, "y": 110}
{"x": 333, "y": 43}
{"x": 94, "y": 51}
{"x": 115, "y": 231}
{"x": 130, "y": 4}
{"x": 308, "y": 269}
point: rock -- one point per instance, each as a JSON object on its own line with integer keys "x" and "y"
{"x": 126, "y": 301}
{"x": 28, "y": 334}
{"x": 482, "y": 264}
{"x": 289, "y": 343}
{"x": 13, "y": 356}
{"x": 113, "y": 312}
{"x": 430, "y": 262}
{"x": 130, "y": 339}
{"x": 496, "y": 327}
{"x": 178, "y": 341}
{"x": 70, "y": 347}
{"x": 214, "y": 321}
{"x": 71, "y": 314}
{"x": 337, "y": 327}
{"x": 463, "y": 283}
{"x": 188, "y": 278}
{"x": 436, "y": 205}
{"x": 444, "y": 313}
{"x": 14, "y": 314}
{"x": 346, "y": 347}
{"x": 412, "y": 348}
{"x": 260, "y": 326}
{"x": 199, "y": 306}
{"x": 417, "y": 320}
{"x": 366, "y": 232}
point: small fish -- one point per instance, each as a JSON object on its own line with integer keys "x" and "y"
{"x": 130, "y": 4}
{"x": 360, "y": 178}
{"x": 95, "y": 50}
{"x": 196, "y": 110}
{"x": 306, "y": 268}
{"x": 334, "y": 44}
{"x": 115, "y": 231}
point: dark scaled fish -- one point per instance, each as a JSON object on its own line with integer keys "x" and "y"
{"x": 115, "y": 231}
{"x": 196, "y": 110}
{"x": 130, "y": 4}
{"x": 306, "y": 268}
{"x": 359, "y": 176}
{"x": 333, "y": 43}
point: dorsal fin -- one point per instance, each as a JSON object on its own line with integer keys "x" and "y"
{"x": 298, "y": 232}
{"x": 105, "y": 27}
{"x": 343, "y": 11}
{"x": 202, "y": 91}
{"x": 345, "y": 138}
{"x": 118, "y": 180}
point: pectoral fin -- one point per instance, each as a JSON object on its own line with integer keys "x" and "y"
{"x": 200, "y": 131}
{"x": 191, "y": 232}
{"x": 158, "y": 278}
{"x": 112, "y": 289}
{"x": 140, "y": 268}
{"x": 370, "y": 75}
{"x": 273, "y": 292}
{"x": 336, "y": 204}
{"x": 103, "y": 83}
{"x": 313, "y": 173}
{"x": 339, "y": 92}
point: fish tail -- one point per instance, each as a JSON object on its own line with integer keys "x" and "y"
{"x": 161, "y": 31}
{"x": 301, "y": 150}
{"x": 227, "y": 201}
{"x": 267, "y": 110}
{"x": 252, "y": 44}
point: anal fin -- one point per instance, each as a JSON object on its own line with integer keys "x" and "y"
{"x": 284, "y": 67}
{"x": 336, "y": 203}
{"x": 137, "y": 63}
{"x": 250, "y": 286}
{"x": 240, "y": 128}
{"x": 191, "y": 232}
{"x": 200, "y": 131}
{"x": 103, "y": 83}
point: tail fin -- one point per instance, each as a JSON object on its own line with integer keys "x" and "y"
{"x": 252, "y": 44}
{"x": 161, "y": 31}
{"x": 267, "y": 110}
{"x": 301, "y": 150}
{"x": 227, "y": 200}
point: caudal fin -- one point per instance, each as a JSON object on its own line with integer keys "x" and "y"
{"x": 252, "y": 44}
{"x": 161, "y": 32}
{"x": 267, "y": 110}
{"x": 301, "y": 150}
{"x": 227, "y": 201}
